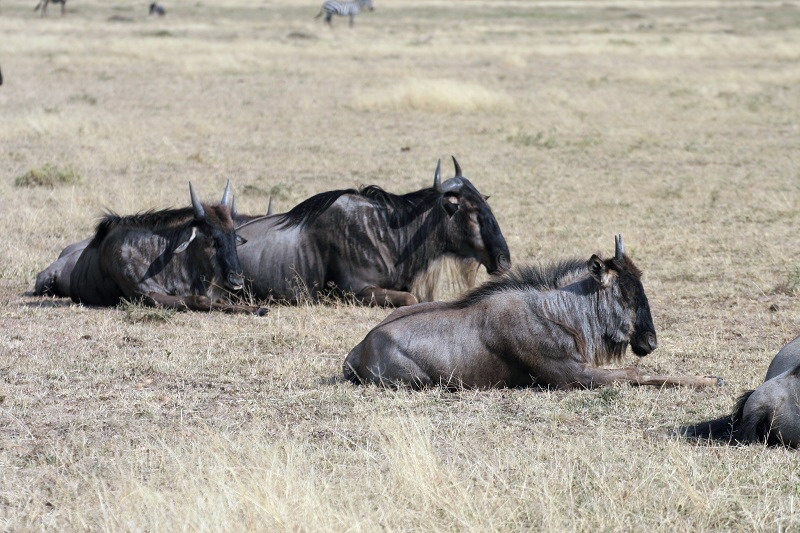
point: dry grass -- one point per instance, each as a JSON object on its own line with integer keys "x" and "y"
{"x": 674, "y": 123}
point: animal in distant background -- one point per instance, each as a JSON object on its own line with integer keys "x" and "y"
{"x": 768, "y": 415}
{"x": 349, "y": 8}
{"x": 1, "y": 77}
{"x": 43, "y": 5}
{"x": 156, "y": 9}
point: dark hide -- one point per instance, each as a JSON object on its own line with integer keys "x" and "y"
{"x": 54, "y": 280}
{"x": 769, "y": 415}
{"x": 370, "y": 243}
{"x": 550, "y": 327}
{"x": 178, "y": 258}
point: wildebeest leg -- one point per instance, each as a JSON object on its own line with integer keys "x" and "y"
{"x": 594, "y": 377}
{"x": 378, "y": 296}
{"x": 199, "y": 303}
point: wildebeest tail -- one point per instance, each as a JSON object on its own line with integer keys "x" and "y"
{"x": 718, "y": 429}
{"x": 726, "y": 428}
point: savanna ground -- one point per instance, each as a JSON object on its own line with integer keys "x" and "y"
{"x": 673, "y": 123}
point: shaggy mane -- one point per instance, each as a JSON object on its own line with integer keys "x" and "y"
{"x": 163, "y": 219}
{"x": 405, "y": 207}
{"x": 542, "y": 277}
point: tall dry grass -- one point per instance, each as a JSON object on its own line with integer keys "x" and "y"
{"x": 673, "y": 123}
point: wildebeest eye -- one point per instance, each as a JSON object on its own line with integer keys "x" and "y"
{"x": 240, "y": 240}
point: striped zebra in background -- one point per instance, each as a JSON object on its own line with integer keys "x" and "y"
{"x": 351, "y": 8}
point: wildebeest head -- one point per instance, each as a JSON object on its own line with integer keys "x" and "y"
{"x": 472, "y": 229}
{"x": 215, "y": 241}
{"x": 622, "y": 273}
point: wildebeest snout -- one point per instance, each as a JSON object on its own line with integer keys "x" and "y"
{"x": 644, "y": 343}
{"x": 235, "y": 281}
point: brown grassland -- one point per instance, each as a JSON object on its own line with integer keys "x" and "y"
{"x": 675, "y": 123}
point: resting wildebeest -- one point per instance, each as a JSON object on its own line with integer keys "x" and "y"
{"x": 54, "y": 280}
{"x": 176, "y": 258}
{"x": 769, "y": 415}
{"x": 378, "y": 246}
{"x": 549, "y": 326}
{"x": 43, "y": 5}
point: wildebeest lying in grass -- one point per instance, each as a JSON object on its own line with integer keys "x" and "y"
{"x": 549, "y": 326}
{"x": 54, "y": 280}
{"x": 176, "y": 258}
{"x": 769, "y": 415}
{"x": 378, "y": 246}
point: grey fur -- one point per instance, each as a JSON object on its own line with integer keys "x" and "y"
{"x": 550, "y": 327}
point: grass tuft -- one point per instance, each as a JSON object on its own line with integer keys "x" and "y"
{"x": 447, "y": 96}
{"x": 48, "y": 176}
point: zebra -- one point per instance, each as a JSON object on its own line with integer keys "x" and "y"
{"x": 43, "y": 5}
{"x": 351, "y": 8}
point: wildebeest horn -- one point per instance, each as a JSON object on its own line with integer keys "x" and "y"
{"x": 226, "y": 196}
{"x": 437, "y": 177}
{"x": 619, "y": 246}
{"x": 233, "y": 207}
{"x": 269, "y": 206}
{"x": 458, "y": 168}
{"x": 199, "y": 212}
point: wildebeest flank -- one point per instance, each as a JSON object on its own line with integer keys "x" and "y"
{"x": 768, "y": 415}
{"x": 177, "y": 258}
{"x": 551, "y": 326}
{"x": 376, "y": 245}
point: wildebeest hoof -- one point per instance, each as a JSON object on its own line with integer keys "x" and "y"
{"x": 262, "y": 311}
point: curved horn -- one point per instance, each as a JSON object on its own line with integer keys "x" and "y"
{"x": 269, "y": 206}
{"x": 226, "y": 196}
{"x": 619, "y": 246}
{"x": 199, "y": 212}
{"x": 437, "y": 177}
{"x": 458, "y": 168}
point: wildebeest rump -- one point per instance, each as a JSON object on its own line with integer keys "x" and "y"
{"x": 177, "y": 258}
{"x": 370, "y": 243}
{"x": 550, "y": 326}
{"x": 768, "y": 415}
{"x": 54, "y": 280}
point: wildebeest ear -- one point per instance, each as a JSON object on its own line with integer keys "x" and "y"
{"x": 598, "y": 270}
{"x": 450, "y": 204}
{"x": 185, "y": 244}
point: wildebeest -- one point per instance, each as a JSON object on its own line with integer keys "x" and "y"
{"x": 54, "y": 280}
{"x": 156, "y": 9}
{"x": 769, "y": 415}
{"x": 43, "y": 5}
{"x": 550, "y": 326}
{"x": 378, "y": 246}
{"x": 176, "y": 258}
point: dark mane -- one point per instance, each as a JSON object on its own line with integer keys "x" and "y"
{"x": 542, "y": 277}
{"x": 163, "y": 219}
{"x": 405, "y": 207}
